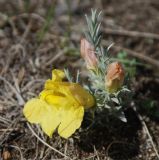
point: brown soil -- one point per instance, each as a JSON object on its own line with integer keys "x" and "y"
{"x": 27, "y": 57}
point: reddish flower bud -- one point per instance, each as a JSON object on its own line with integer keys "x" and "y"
{"x": 88, "y": 54}
{"x": 115, "y": 77}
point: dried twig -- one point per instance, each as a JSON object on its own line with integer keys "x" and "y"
{"x": 8, "y": 129}
{"x": 149, "y": 135}
{"x": 21, "y": 5}
{"x": 19, "y": 149}
{"x": 19, "y": 97}
{"x": 66, "y": 146}
{"x": 46, "y": 154}
{"x": 2, "y": 138}
{"x": 141, "y": 56}
{"x": 28, "y": 15}
{"x": 4, "y": 120}
{"x": 90, "y": 157}
{"x": 28, "y": 27}
{"x": 131, "y": 33}
{"x": 56, "y": 57}
{"x": 110, "y": 145}
{"x": 46, "y": 144}
{"x": 31, "y": 83}
{"x": 96, "y": 152}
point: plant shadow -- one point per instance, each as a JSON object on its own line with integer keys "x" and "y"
{"x": 116, "y": 139}
{"x": 147, "y": 99}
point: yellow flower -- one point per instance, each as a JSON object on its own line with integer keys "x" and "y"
{"x": 114, "y": 77}
{"x": 59, "y": 106}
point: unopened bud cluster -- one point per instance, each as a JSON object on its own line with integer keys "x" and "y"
{"x": 114, "y": 74}
{"x": 107, "y": 77}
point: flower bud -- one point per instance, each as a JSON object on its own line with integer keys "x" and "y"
{"x": 114, "y": 77}
{"x": 88, "y": 54}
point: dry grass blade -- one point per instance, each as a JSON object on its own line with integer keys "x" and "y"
{"x": 28, "y": 27}
{"x": 110, "y": 145}
{"x": 96, "y": 152}
{"x": 26, "y": 15}
{"x": 17, "y": 148}
{"x": 4, "y": 120}
{"x": 141, "y": 56}
{"x": 31, "y": 83}
{"x": 19, "y": 97}
{"x": 138, "y": 55}
{"x": 131, "y": 33}
{"x": 149, "y": 135}
{"x": 56, "y": 57}
{"x": 46, "y": 144}
{"x": 4, "y": 136}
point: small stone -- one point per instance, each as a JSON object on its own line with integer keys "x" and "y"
{"x": 6, "y": 155}
{"x": 157, "y": 127}
{"x": 3, "y": 19}
{"x": 153, "y": 155}
{"x": 147, "y": 119}
{"x": 149, "y": 150}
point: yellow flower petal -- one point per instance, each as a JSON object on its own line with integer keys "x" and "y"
{"x": 74, "y": 90}
{"x": 34, "y": 110}
{"x": 57, "y": 75}
{"x": 82, "y": 95}
{"x": 51, "y": 121}
{"x": 55, "y": 86}
{"x": 53, "y": 98}
{"x": 38, "y": 111}
{"x": 71, "y": 120}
